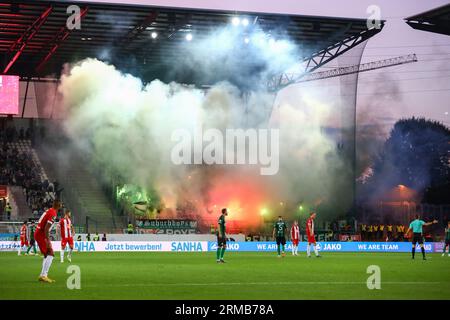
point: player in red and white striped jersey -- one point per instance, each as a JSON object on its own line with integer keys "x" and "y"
{"x": 295, "y": 237}
{"x": 67, "y": 233}
{"x": 311, "y": 236}
{"x": 23, "y": 237}
{"x": 42, "y": 236}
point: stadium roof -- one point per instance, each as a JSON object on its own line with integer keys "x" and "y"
{"x": 436, "y": 20}
{"x": 35, "y": 41}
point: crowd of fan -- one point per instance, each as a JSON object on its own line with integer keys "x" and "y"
{"x": 382, "y": 232}
{"x": 40, "y": 197}
{"x": 17, "y": 168}
{"x": 10, "y": 134}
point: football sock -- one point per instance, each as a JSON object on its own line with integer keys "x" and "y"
{"x": 278, "y": 249}
{"x": 308, "y": 250}
{"x": 315, "y": 250}
{"x": 423, "y": 251}
{"x": 62, "y": 255}
{"x": 282, "y": 248}
{"x": 222, "y": 253}
{"x": 20, "y": 249}
{"x": 48, "y": 264}
{"x": 218, "y": 252}
{"x": 43, "y": 267}
{"x": 28, "y": 250}
{"x": 70, "y": 253}
{"x": 296, "y": 249}
{"x": 413, "y": 251}
{"x": 293, "y": 249}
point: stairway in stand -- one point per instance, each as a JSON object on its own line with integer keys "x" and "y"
{"x": 82, "y": 192}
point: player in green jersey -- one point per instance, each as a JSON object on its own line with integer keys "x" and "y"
{"x": 32, "y": 244}
{"x": 279, "y": 229}
{"x": 221, "y": 236}
{"x": 447, "y": 239}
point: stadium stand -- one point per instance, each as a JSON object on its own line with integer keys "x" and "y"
{"x": 20, "y": 169}
{"x": 91, "y": 209}
{"x": 23, "y": 211}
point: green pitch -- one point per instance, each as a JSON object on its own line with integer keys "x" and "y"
{"x": 244, "y": 276}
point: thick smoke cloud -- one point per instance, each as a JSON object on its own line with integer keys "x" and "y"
{"x": 126, "y": 128}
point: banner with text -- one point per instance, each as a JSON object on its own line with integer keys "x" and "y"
{"x": 329, "y": 246}
{"x": 167, "y": 226}
{"x": 202, "y": 246}
{"x": 122, "y": 246}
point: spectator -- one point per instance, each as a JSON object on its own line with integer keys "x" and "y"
{"x": 381, "y": 231}
{"x": 375, "y": 232}
{"x": 363, "y": 231}
{"x": 8, "y": 211}
{"x": 45, "y": 184}
{"x": 130, "y": 228}
{"x": 28, "y": 134}
{"x": 104, "y": 237}
{"x": 389, "y": 231}
{"x": 369, "y": 232}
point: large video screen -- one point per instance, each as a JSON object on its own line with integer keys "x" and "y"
{"x": 9, "y": 94}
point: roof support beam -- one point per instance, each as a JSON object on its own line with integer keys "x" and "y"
{"x": 320, "y": 58}
{"x": 20, "y": 44}
{"x": 59, "y": 38}
{"x": 136, "y": 31}
{"x": 358, "y": 68}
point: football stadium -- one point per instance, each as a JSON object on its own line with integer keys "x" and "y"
{"x": 224, "y": 150}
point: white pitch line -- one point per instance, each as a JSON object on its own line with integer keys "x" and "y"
{"x": 258, "y": 283}
{"x": 83, "y": 285}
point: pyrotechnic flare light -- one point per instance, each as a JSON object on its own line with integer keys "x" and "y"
{"x": 245, "y": 22}
{"x": 264, "y": 211}
{"x": 300, "y": 208}
{"x": 189, "y": 37}
{"x": 154, "y": 35}
{"x": 236, "y": 21}
{"x": 246, "y": 40}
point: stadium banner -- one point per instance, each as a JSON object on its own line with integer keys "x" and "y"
{"x": 203, "y": 246}
{"x": 122, "y": 246}
{"x": 328, "y": 246}
{"x": 7, "y": 236}
{"x": 349, "y": 237}
{"x": 167, "y": 226}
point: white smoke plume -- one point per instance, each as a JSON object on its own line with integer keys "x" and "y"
{"x": 126, "y": 127}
